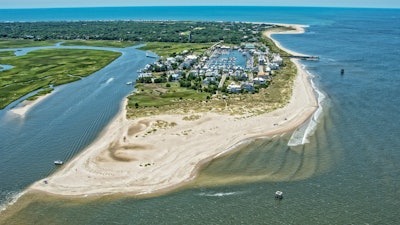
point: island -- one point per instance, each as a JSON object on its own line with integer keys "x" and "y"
{"x": 142, "y": 153}
{"x": 189, "y": 107}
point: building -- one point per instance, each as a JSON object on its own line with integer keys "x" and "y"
{"x": 234, "y": 88}
{"x": 259, "y": 80}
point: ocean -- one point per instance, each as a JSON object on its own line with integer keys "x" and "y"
{"x": 348, "y": 173}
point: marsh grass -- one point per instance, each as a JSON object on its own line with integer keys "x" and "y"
{"x": 167, "y": 49}
{"x": 99, "y": 43}
{"x": 48, "y": 67}
{"x": 22, "y": 43}
{"x": 7, "y": 54}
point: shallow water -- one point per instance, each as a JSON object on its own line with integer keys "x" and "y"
{"x": 63, "y": 124}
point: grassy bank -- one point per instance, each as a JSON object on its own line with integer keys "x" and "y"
{"x": 48, "y": 67}
{"x": 167, "y": 49}
{"x": 22, "y": 43}
{"x": 7, "y": 54}
{"x": 100, "y": 43}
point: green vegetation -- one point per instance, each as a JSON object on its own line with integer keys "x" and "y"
{"x": 135, "y": 31}
{"x": 168, "y": 49}
{"x": 158, "y": 97}
{"x": 42, "y": 92}
{"x": 7, "y": 54}
{"x": 273, "y": 48}
{"x": 99, "y": 43}
{"x": 154, "y": 99}
{"x": 189, "y": 95}
{"x": 21, "y": 43}
{"x": 48, "y": 67}
{"x": 282, "y": 29}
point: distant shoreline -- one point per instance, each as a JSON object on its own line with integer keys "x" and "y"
{"x": 156, "y": 154}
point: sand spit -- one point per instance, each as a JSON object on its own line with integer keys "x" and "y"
{"x": 24, "y": 107}
{"x": 157, "y": 153}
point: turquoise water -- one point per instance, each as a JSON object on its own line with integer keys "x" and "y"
{"x": 347, "y": 174}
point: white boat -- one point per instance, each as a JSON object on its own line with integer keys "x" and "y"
{"x": 129, "y": 83}
{"x": 279, "y": 195}
{"x": 58, "y": 162}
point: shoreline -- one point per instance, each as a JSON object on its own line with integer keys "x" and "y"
{"x": 154, "y": 154}
{"x": 299, "y": 29}
{"x": 25, "y": 106}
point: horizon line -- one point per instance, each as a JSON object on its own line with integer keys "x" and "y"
{"x": 149, "y": 6}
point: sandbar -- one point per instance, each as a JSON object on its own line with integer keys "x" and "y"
{"x": 25, "y": 106}
{"x": 157, "y": 153}
{"x": 298, "y": 29}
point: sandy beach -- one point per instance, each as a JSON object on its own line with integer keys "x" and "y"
{"x": 157, "y": 153}
{"x": 298, "y": 29}
{"x": 23, "y": 108}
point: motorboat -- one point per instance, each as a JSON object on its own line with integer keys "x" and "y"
{"x": 58, "y": 162}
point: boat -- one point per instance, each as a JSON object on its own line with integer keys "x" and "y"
{"x": 129, "y": 83}
{"x": 279, "y": 195}
{"x": 58, "y": 162}
{"x": 149, "y": 55}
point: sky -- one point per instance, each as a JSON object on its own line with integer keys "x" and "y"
{"x": 101, "y": 3}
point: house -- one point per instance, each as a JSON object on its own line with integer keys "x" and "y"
{"x": 261, "y": 59}
{"x": 194, "y": 72}
{"x": 209, "y": 80}
{"x": 249, "y": 87}
{"x": 148, "y": 67}
{"x": 277, "y": 59}
{"x": 144, "y": 75}
{"x": 175, "y": 77}
{"x": 259, "y": 80}
{"x": 273, "y": 66}
{"x": 249, "y": 46}
{"x": 234, "y": 88}
{"x": 171, "y": 60}
{"x": 264, "y": 76}
{"x": 191, "y": 57}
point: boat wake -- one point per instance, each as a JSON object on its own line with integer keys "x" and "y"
{"x": 301, "y": 134}
{"x": 219, "y": 194}
{"x": 110, "y": 80}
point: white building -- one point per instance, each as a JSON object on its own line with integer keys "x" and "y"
{"x": 234, "y": 88}
{"x": 277, "y": 59}
{"x": 259, "y": 80}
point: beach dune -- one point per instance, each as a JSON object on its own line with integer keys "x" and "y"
{"x": 158, "y": 153}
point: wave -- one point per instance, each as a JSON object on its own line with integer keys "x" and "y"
{"x": 219, "y": 194}
{"x": 110, "y": 80}
{"x": 10, "y": 199}
{"x": 301, "y": 134}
